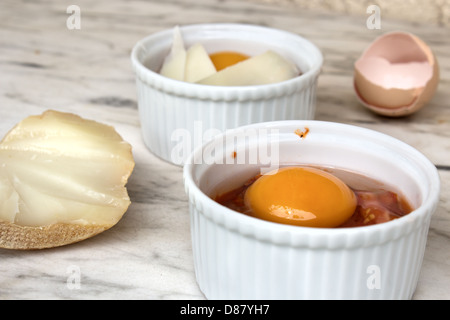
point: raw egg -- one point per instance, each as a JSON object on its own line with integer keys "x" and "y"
{"x": 225, "y": 59}
{"x": 301, "y": 196}
{"x": 397, "y": 75}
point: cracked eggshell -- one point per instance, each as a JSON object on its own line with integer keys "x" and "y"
{"x": 396, "y": 75}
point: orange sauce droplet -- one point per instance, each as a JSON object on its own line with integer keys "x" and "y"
{"x": 224, "y": 59}
{"x": 302, "y": 134}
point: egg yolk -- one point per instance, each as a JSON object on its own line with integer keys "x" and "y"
{"x": 224, "y": 59}
{"x": 301, "y": 196}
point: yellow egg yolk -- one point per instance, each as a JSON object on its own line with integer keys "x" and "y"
{"x": 224, "y": 59}
{"x": 301, "y": 196}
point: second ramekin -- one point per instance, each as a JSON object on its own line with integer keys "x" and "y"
{"x": 241, "y": 257}
{"x": 177, "y": 116}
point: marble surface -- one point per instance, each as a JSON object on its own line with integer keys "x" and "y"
{"x": 437, "y": 12}
{"x": 147, "y": 255}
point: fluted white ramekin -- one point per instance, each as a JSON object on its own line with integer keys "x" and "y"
{"x": 177, "y": 116}
{"x": 241, "y": 257}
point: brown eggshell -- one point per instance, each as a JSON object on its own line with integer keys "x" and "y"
{"x": 401, "y": 51}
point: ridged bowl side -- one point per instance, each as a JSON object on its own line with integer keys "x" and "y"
{"x": 241, "y": 257}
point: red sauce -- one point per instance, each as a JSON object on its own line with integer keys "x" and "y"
{"x": 374, "y": 206}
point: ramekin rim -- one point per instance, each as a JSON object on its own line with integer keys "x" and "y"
{"x": 413, "y": 219}
{"x": 182, "y": 88}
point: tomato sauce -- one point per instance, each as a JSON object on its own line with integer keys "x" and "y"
{"x": 374, "y": 206}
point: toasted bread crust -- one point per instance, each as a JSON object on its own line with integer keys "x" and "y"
{"x": 13, "y": 236}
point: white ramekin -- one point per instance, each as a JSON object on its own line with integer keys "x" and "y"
{"x": 177, "y": 116}
{"x": 240, "y": 257}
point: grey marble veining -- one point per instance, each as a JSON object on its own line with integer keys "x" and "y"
{"x": 147, "y": 255}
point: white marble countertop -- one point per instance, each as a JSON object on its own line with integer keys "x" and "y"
{"x": 147, "y": 255}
